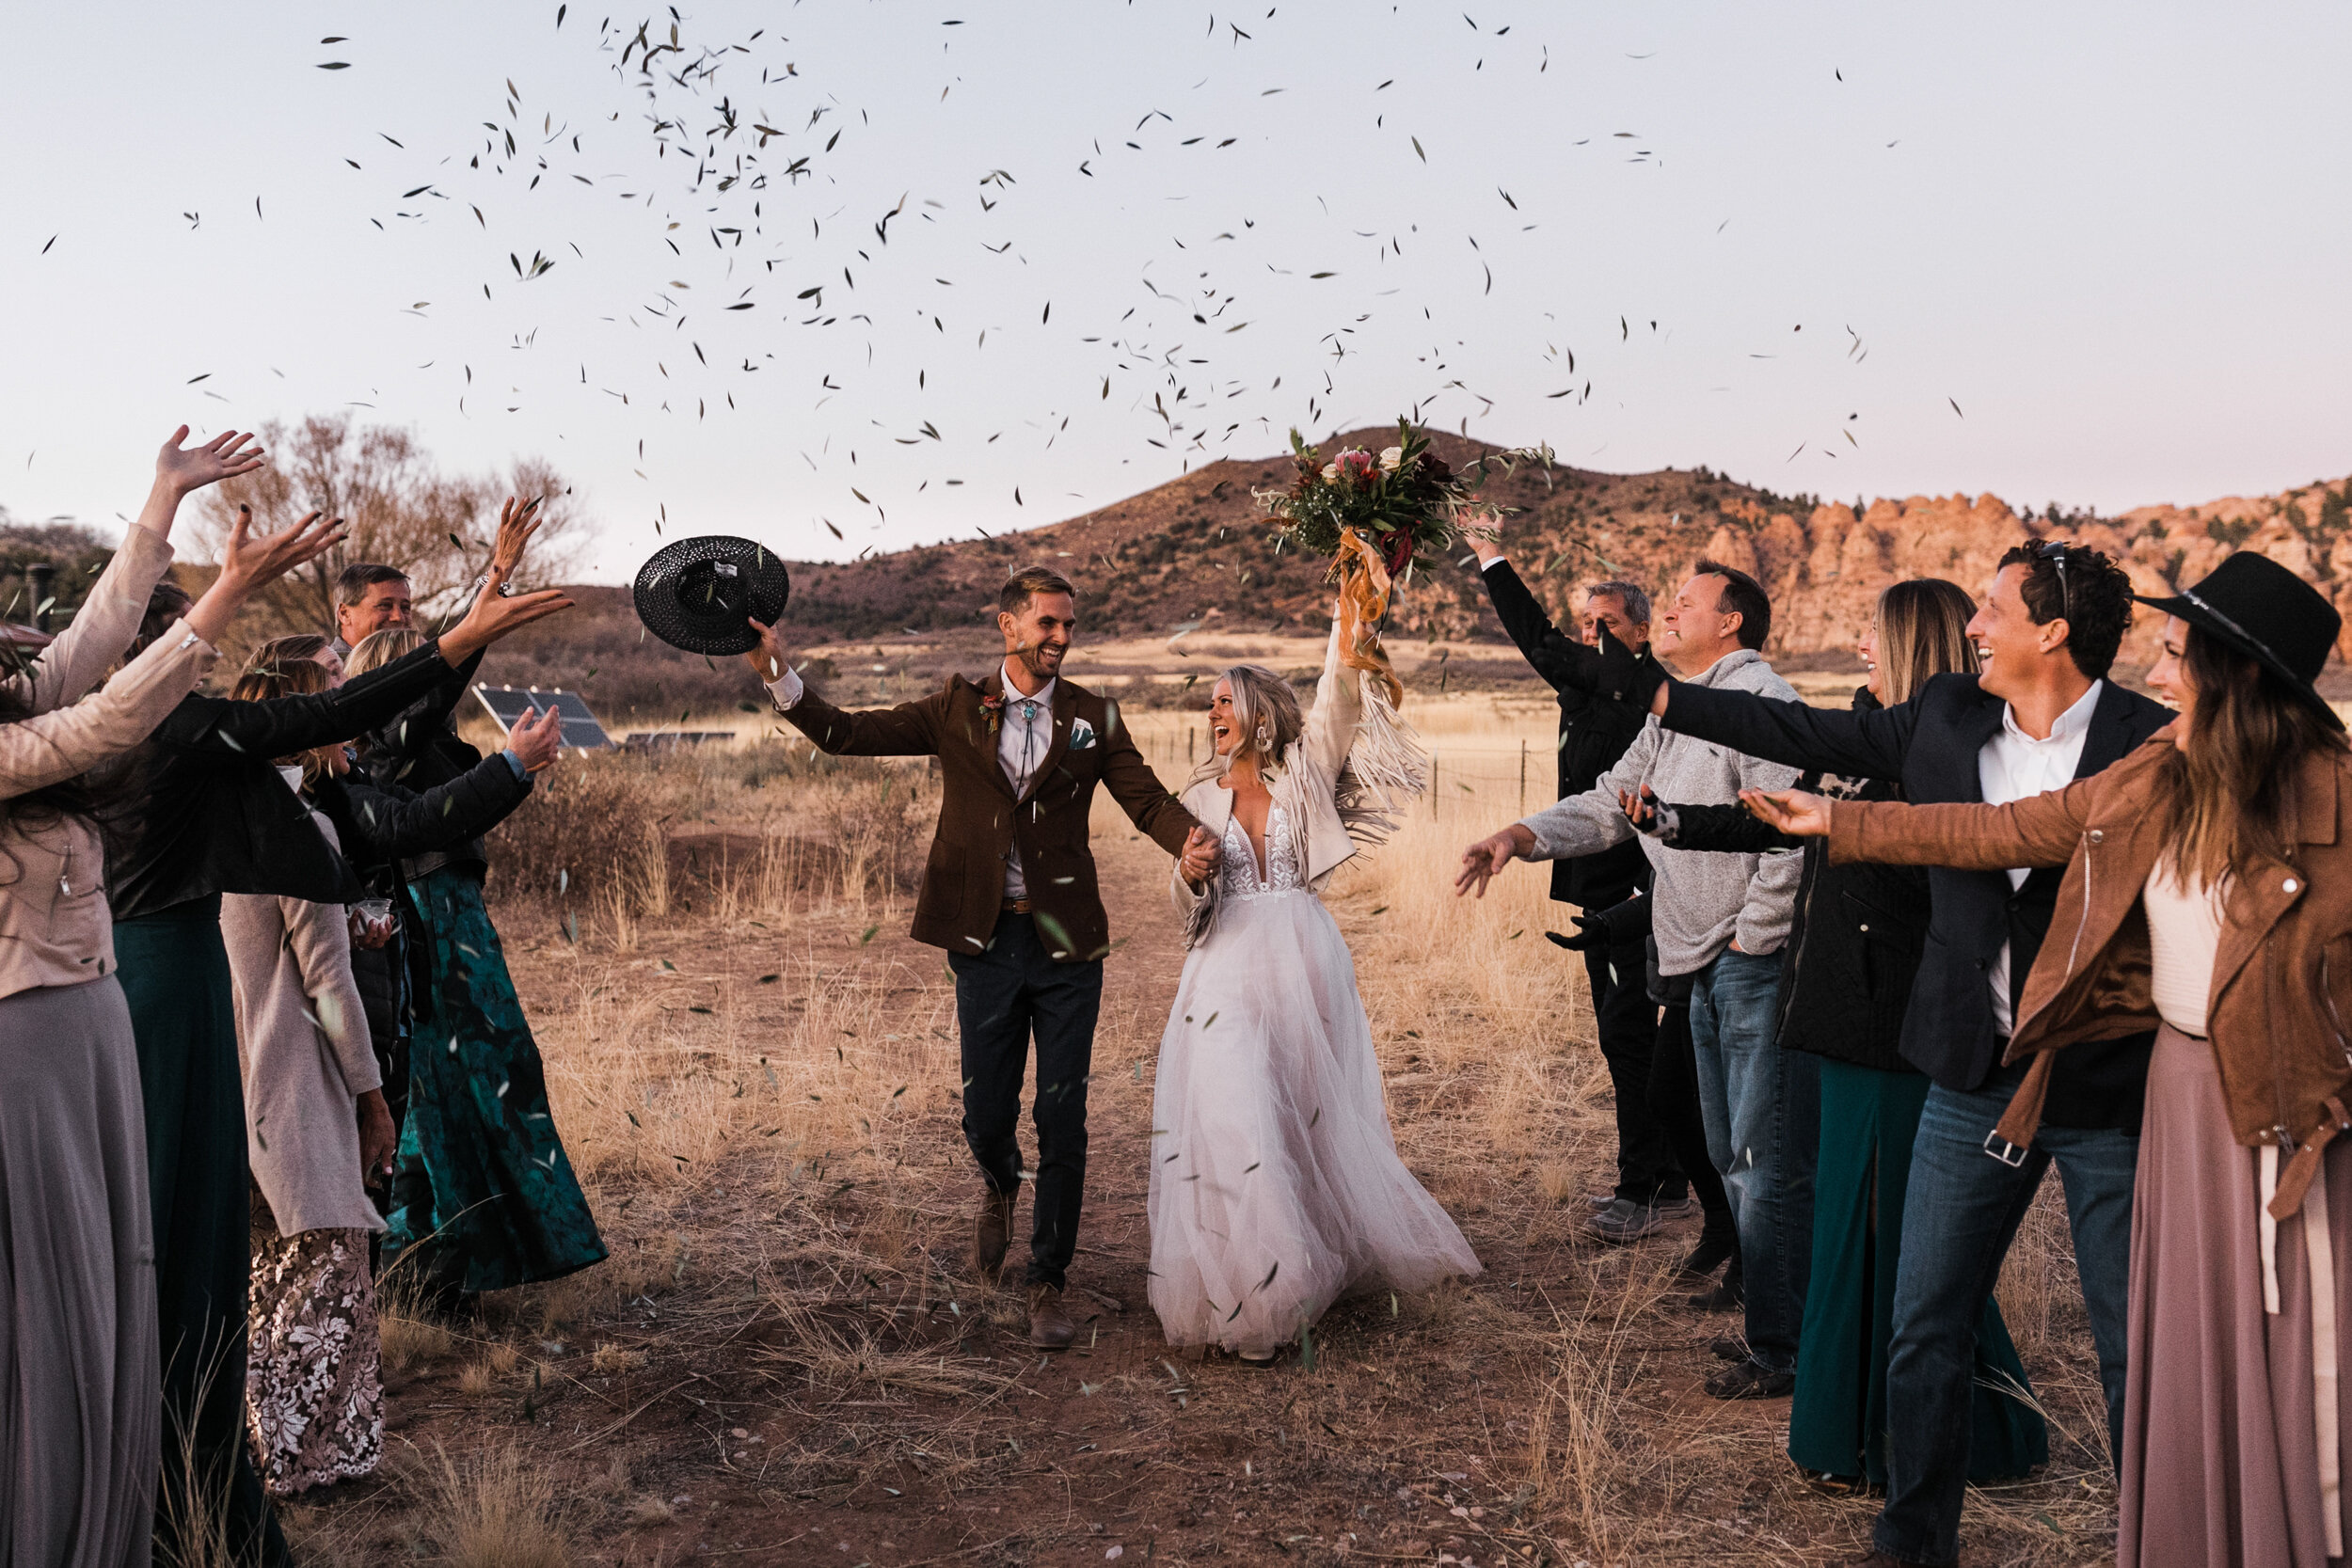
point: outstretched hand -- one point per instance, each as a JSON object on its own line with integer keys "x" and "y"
{"x": 249, "y": 563}
{"x": 185, "y": 469}
{"x": 1483, "y": 860}
{"x": 1794, "y": 811}
{"x": 1198, "y": 857}
{"x": 517, "y": 521}
{"x": 536, "y": 739}
{"x": 1483, "y": 533}
{"x": 1641, "y": 810}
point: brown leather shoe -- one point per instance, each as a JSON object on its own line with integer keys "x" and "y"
{"x": 1050, "y": 1327}
{"x": 992, "y": 1233}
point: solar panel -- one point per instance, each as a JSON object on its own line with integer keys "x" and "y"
{"x": 582, "y": 729}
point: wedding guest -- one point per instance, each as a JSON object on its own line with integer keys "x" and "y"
{"x": 317, "y": 1134}
{"x": 1848, "y": 964}
{"x": 2040, "y": 713}
{"x": 1721, "y": 920}
{"x": 369, "y": 597}
{"x": 1595, "y": 730}
{"x": 80, "y": 1426}
{"x": 484, "y": 1197}
{"x": 2208, "y": 892}
{"x": 213, "y": 817}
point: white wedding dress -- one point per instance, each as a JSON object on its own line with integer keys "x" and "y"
{"x": 1275, "y": 1186}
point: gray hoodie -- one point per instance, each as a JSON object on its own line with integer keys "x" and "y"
{"x": 1704, "y": 899}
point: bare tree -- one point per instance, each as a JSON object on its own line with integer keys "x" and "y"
{"x": 404, "y": 512}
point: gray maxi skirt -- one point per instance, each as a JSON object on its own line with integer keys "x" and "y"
{"x": 81, "y": 1403}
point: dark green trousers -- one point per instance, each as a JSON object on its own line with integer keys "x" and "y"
{"x": 1837, "y": 1421}
{"x": 175, "y": 974}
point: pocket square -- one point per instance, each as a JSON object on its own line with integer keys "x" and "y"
{"x": 1081, "y": 734}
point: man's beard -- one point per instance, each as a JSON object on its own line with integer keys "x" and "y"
{"x": 1033, "y": 659}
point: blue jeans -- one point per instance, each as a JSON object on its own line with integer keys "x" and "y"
{"x": 1762, "y": 1107}
{"x": 1959, "y": 1218}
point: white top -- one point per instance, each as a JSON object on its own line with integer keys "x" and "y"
{"x": 2183, "y": 937}
{"x": 1023, "y": 738}
{"x": 2013, "y": 766}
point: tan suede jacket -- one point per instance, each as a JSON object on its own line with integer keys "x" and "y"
{"x": 2282, "y": 980}
{"x": 55, "y": 927}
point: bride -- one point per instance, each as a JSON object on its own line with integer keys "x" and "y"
{"x": 1276, "y": 1185}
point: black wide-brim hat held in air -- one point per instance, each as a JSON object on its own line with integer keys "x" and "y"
{"x": 2254, "y": 605}
{"x": 699, "y": 593}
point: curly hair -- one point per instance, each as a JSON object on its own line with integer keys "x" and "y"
{"x": 2081, "y": 586}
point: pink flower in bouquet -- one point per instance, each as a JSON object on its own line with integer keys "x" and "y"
{"x": 1355, "y": 462}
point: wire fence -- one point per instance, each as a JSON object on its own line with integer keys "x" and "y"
{"x": 1468, "y": 780}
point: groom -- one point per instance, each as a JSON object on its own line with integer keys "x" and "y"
{"x": 1009, "y": 893}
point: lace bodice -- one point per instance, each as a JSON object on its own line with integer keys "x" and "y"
{"x": 1237, "y": 865}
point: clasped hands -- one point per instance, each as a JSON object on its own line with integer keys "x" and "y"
{"x": 1198, "y": 857}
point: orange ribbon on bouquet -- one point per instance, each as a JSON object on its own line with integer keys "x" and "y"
{"x": 1364, "y": 588}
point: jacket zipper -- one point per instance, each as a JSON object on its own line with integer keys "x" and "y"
{"x": 2277, "y": 1038}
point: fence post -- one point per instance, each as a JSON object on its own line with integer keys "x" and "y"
{"x": 1433, "y": 785}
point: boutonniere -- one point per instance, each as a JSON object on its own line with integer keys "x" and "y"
{"x": 994, "y": 708}
{"x": 1081, "y": 734}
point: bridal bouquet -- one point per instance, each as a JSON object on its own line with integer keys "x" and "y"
{"x": 1374, "y": 517}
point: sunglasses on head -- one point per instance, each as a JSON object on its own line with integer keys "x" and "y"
{"x": 2054, "y": 552}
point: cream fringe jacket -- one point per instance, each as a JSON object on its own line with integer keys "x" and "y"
{"x": 1339, "y": 784}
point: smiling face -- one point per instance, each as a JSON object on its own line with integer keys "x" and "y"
{"x": 1224, "y": 727}
{"x": 1038, "y": 636}
{"x": 1697, "y": 627}
{"x": 383, "y": 604}
{"x": 2168, "y": 677}
{"x": 1608, "y": 610}
{"x": 2011, "y": 645}
{"x": 1867, "y": 646}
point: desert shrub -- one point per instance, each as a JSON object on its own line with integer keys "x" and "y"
{"x": 580, "y": 834}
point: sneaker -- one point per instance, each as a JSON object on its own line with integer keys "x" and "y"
{"x": 1751, "y": 1380}
{"x": 1625, "y": 1221}
{"x": 1675, "y": 1208}
{"x": 1600, "y": 1200}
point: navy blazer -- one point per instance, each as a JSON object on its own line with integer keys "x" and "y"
{"x": 1931, "y": 743}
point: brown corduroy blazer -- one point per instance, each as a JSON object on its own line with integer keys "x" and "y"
{"x": 2282, "y": 979}
{"x": 980, "y": 819}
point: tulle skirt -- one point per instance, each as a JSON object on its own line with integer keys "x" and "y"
{"x": 1275, "y": 1186}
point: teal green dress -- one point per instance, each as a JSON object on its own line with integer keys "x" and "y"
{"x": 1837, "y": 1420}
{"x": 484, "y": 1199}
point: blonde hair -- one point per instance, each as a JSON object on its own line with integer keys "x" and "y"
{"x": 380, "y": 648}
{"x": 1266, "y": 712}
{"x": 1923, "y": 631}
{"x": 288, "y": 666}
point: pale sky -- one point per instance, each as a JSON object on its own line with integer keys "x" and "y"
{"x": 2114, "y": 236}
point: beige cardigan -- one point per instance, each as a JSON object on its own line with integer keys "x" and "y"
{"x": 302, "y": 1043}
{"x": 55, "y": 927}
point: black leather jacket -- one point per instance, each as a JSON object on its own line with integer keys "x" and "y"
{"x": 209, "y": 813}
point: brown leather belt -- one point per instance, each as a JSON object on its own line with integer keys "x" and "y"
{"x": 1016, "y": 906}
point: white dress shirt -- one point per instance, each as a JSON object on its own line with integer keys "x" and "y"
{"x": 2013, "y": 766}
{"x": 1024, "y": 735}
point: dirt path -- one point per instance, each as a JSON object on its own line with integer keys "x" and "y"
{"x": 818, "y": 1379}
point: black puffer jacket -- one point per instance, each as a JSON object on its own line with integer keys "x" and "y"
{"x": 1859, "y": 931}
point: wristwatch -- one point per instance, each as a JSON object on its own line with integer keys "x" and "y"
{"x": 473, "y": 590}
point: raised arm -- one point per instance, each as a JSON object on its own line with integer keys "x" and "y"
{"x": 1550, "y": 652}
{"x": 78, "y": 657}
{"x": 1339, "y": 709}
{"x": 280, "y": 726}
{"x": 908, "y": 730}
{"x": 1710, "y": 829}
{"x": 1829, "y": 740}
{"x": 53, "y": 747}
{"x": 393, "y": 823}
